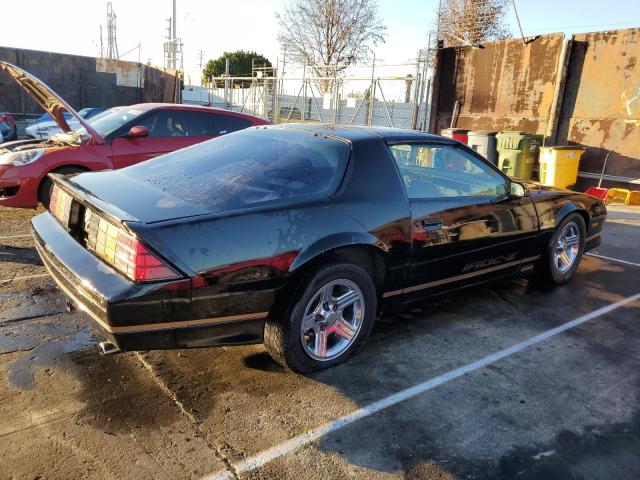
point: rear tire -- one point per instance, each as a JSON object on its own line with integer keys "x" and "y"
{"x": 44, "y": 192}
{"x": 338, "y": 305}
{"x": 564, "y": 251}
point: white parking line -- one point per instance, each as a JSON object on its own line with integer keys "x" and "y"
{"x": 611, "y": 259}
{"x": 300, "y": 441}
{"x": 26, "y": 277}
{"x": 7, "y": 237}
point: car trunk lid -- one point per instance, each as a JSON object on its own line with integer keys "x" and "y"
{"x": 49, "y": 100}
{"x": 124, "y": 198}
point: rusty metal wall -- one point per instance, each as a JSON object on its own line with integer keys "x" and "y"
{"x": 587, "y": 94}
{"x": 85, "y": 81}
{"x": 601, "y": 102}
{"x": 505, "y": 86}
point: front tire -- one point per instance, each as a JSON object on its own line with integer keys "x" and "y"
{"x": 564, "y": 251}
{"x": 328, "y": 320}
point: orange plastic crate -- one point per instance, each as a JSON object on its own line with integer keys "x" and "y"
{"x": 618, "y": 195}
{"x": 634, "y": 197}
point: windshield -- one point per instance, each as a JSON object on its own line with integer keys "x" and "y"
{"x": 108, "y": 122}
{"x": 247, "y": 168}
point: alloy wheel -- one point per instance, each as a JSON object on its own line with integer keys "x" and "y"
{"x": 332, "y": 319}
{"x": 566, "y": 248}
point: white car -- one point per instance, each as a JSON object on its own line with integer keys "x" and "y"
{"x": 43, "y": 130}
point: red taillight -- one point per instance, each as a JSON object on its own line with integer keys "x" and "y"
{"x": 137, "y": 262}
{"x": 149, "y": 267}
{"x": 53, "y": 201}
{"x": 123, "y": 251}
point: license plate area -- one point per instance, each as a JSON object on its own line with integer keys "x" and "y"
{"x": 67, "y": 210}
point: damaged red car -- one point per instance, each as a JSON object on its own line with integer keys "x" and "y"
{"x": 117, "y": 138}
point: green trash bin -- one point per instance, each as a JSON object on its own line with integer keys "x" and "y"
{"x": 518, "y": 152}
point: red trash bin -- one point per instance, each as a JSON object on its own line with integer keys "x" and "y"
{"x": 459, "y": 134}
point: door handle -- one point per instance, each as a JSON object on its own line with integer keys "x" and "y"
{"x": 431, "y": 224}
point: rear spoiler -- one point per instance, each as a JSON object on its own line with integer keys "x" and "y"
{"x": 108, "y": 211}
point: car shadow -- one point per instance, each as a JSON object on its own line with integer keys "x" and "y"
{"x": 501, "y": 422}
{"x": 25, "y": 256}
{"x": 478, "y": 431}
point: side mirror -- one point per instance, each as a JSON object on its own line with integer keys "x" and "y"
{"x": 517, "y": 190}
{"x": 138, "y": 132}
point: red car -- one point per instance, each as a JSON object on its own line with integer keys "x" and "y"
{"x": 117, "y": 138}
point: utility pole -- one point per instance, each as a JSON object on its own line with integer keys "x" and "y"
{"x": 173, "y": 32}
{"x": 173, "y": 45}
{"x": 112, "y": 47}
{"x": 201, "y": 52}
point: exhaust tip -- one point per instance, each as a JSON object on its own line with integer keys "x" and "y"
{"x": 108, "y": 348}
{"x": 70, "y": 306}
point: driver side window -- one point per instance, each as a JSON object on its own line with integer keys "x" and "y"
{"x": 436, "y": 171}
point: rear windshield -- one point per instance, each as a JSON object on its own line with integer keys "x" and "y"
{"x": 248, "y": 168}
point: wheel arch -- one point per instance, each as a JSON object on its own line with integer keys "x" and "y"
{"x": 572, "y": 207}
{"x": 57, "y": 169}
{"x": 352, "y": 248}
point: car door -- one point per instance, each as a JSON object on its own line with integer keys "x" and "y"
{"x": 169, "y": 130}
{"x": 466, "y": 225}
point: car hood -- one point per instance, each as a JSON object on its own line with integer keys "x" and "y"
{"x": 533, "y": 186}
{"x": 49, "y": 100}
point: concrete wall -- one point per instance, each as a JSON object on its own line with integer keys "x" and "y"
{"x": 85, "y": 81}
{"x": 584, "y": 91}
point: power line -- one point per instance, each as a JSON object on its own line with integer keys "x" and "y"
{"x": 515, "y": 10}
{"x": 568, "y": 27}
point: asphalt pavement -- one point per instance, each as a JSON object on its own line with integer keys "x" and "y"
{"x": 505, "y": 381}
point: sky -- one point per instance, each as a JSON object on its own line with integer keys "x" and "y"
{"x": 218, "y": 26}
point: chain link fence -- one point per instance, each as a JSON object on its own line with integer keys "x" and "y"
{"x": 375, "y": 95}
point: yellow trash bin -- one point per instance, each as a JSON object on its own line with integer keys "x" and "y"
{"x": 559, "y": 165}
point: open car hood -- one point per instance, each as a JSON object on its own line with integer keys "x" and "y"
{"x": 49, "y": 100}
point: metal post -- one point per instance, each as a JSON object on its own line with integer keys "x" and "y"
{"x": 416, "y": 92}
{"x": 336, "y": 102}
{"x": 372, "y": 91}
{"x": 425, "y": 124}
{"x": 226, "y": 82}
{"x": 304, "y": 95}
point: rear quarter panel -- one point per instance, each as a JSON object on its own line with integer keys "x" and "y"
{"x": 553, "y": 205}
{"x": 239, "y": 261}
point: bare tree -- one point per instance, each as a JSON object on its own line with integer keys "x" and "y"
{"x": 328, "y": 35}
{"x": 471, "y": 22}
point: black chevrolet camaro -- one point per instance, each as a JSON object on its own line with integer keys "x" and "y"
{"x": 298, "y": 236}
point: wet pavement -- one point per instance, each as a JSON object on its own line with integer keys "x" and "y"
{"x": 563, "y": 408}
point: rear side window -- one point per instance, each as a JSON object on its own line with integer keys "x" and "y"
{"x": 247, "y": 168}
{"x": 224, "y": 124}
{"x": 436, "y": 171}
{"x": 177, "y": 123}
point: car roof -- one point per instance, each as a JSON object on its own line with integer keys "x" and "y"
{"x": 184, "y": 106}
{"x": 354, "y": 133}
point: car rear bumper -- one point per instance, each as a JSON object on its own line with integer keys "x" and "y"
{"x": 133, "y": 316}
